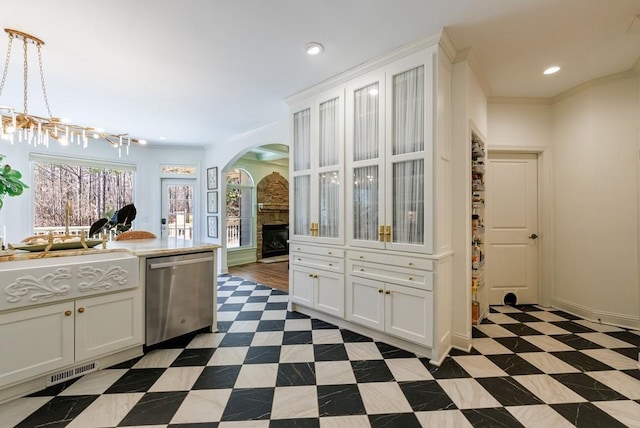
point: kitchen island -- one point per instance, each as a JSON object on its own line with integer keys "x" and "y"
{"x": 69, "y": 312}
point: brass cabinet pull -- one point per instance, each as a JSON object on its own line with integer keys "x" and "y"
{"x": 310, "y": 275}
{"x": 329, "y": 253}
{"x": 80, "y": 310}
{"x": 381, "y": 233}
{"x": 410, "y": 264}
{"x": 314, "y": 229}
{"x": 387, "y": 232}
{"x": 362, "y": 257}
{"x": 361, "y": 270}
{"x": 67, "y": 313}
{"x": 380, "y": 290}
{"x": 387, "y": 292}
{"x": 410, "y": 278}
{"x": 315, "y": 276}
{"x": 330, "y": 264}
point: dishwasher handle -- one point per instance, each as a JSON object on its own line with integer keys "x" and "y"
{"x": 180, "y": 263}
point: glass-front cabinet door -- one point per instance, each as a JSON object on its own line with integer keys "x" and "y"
{"x": 317, "y": 169}
{"x": 365, "y": 152}
{"x": 409, "y": 150}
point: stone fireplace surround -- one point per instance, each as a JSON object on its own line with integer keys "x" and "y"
{"x": 273, "y": 205}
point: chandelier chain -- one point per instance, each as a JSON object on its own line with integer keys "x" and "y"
{"x": 6, "y": 63}
{"x": 44, "y": 87}
{"x": 26, "y": 77}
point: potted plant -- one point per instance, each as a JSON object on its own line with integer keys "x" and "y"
{"x": 10, "y": 183}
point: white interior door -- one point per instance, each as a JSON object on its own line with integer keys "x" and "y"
{"x": 512, "y": 227}
{"x": 178, "y": 207}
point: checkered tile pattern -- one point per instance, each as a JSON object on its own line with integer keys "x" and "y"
{"x": 267, "y": 367}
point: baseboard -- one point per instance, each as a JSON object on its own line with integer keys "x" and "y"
{"x": 597, "y": 316}
{"x": 463, "y": 343}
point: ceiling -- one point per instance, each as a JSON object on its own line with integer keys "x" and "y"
{"x": 200, "y": 72}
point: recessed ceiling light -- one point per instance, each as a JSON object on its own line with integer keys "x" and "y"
{"x": 552, "y": 70}
{"x": 313, "y": 48}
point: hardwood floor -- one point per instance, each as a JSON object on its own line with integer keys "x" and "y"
{"x": 274, "y": 275}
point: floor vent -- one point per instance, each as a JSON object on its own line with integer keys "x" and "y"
{"x": 71, "y": 373}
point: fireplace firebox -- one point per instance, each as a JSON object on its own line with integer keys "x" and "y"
{"x": 274, "y": 240}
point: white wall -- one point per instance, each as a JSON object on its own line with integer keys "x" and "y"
{"x": 17, "y": 211}
{"x": 596, "y": 201}
{"x": 224, "y": 156}
{"x": 589, "y": 139}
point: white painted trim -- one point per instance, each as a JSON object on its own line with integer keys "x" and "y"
{"x": 545, "y": 216}
{"x": 462, "y": 343}
{"x": 597, "y": 316}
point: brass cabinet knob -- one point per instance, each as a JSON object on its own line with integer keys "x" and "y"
{"x": 380, "y": 290}
{"x": 330, "y": 264}
{"x": 67, "y": 313}
{"x": 310, "y": 275}
{"x": 362, "y": 257}
{"x": 361, "y": 270}
{"x": 387, "y": 292}
{"x": 80, "y": 310}
{"x": 410, "y": 264}
{"x": 410, "y": 278}
{"x": 329, "y": 253}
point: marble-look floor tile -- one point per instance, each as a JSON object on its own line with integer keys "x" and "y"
{"x": 340, "y": 400}
{"x": 443, "y": 418}
{"x": 383, "y": 397}
{"x": 257, "y": 376}
{"x": 243, "y": 326}
{"x": 627, "y": 412}
{"x": 254, "y": 306}
{"x": 297, "y": 338}
{"x": 204, "y": 405}
{"x": 426, "y": 396}
{"x": 296, "y": 374}
{"x": 538, "y": 416}
{"x": 334, "y": 372}
{"x": 494, "y": 330}
{"x": 228, "y": 356}
{"x": 547, "y": 316}
{"x": 626, "y": 385}
{"x": 237, "y": 299}
{"x": 358, "y": 421}
{"x": 227, "y": 315}
{"x": 468, "y": 393}
{"x": 106, "y": 410}
{"x": 14, "y": 411}
{"x": 500, "y": 318}
{"x": 479, "y": 366}
{"x": 588, "y": 387}
{"x": 505, "y": 309}
{"x": 496, "y": 417}
{"x": 549, "y": 390}
{"x": 154, "y": 408}
{"x": 327, "y": 336}
{"x": 547, "y": 328}
{"x": 297, "y": 324}
{"x": 371, "y": 371}
{"x": 604, "y": 328}
{"x": 243, "y": 424}
{"x": 292, "y": 402}
{"x": 513, "y": 364}
{"x": 508, "y": 392}
{"x": 407, "y": 369}
{"x": 548, "y": 363}
{"x": 57, "y": 412}
{"x": 274, "y": 315}
{"x": 94, "y": 383}
{"x": 547, "y": 343}
{"x": 489, "y": 346}
{"x": 158, "y": 358}
{"x": 267, "y": 338}
{"x": 278, "y": 298}
{"x": 587, "y": 415}
{"x": 177, "y": 379}
{"x": 217, "y": 377}
{"x": 296, "y": 353}
{"x": 362, "y": 351}
{"x": 611, "y": 358}
{"x": 260, "y": 399}
{"x": 605, "y": 340}
{"x": 206, "y": 340}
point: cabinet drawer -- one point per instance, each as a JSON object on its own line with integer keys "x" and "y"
{"x": 415, "y": 278}
{"x": 319, "y": 262}
{"x": 319, "y": 251}
{"x": 393, "y": 260}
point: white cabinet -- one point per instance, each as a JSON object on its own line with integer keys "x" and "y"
{"x": 317, "y": 281}
{"x": 46, "y": 338}
{"x": 391, "y": 294}
{"x": 389, "y": 140}
{"x": 317, "y": 169}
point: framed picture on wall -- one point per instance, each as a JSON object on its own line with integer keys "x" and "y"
{"x": 212, "y": 226}
{"x": 212, "y": 178}
{"x": 212, "y": 202}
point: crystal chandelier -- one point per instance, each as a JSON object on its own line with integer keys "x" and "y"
{"x": 40, "y": 131}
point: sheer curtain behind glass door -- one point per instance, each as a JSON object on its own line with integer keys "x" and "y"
{"x": 302, "y": 162}
{"x": 329, "y": 181}
{"x": 408, "y": 137}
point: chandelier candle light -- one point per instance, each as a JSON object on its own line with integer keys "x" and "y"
{"x": 39, "y": 131}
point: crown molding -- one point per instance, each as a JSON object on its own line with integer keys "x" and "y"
{"x": 476, "y": 68}
{"x": 596, "y": 82}
{"x": 520, "y": 100}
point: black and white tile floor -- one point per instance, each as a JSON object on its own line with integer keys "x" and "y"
{"x": 271, "y": 368}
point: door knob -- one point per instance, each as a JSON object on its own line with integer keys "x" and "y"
{"x": 533, "y": 236}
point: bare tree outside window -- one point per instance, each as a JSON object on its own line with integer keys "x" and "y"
{"x": 94, "y": 192}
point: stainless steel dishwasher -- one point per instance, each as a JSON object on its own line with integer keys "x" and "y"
{"x": 179, "y": 295}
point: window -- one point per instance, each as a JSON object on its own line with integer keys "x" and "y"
{"x": 94, "y": 189}
{"x": 239, "y": 209}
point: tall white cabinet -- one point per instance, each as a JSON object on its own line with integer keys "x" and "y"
{"x": 371, "y": 199}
